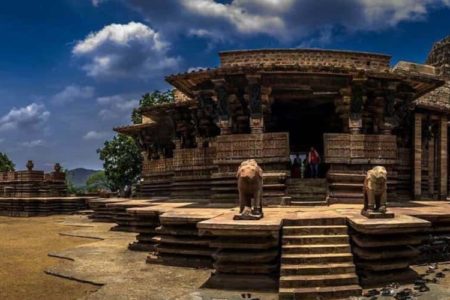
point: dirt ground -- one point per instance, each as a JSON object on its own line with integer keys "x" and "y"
{"x": 24, "y": 245}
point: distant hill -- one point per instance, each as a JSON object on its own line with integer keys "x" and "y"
{"x": 79, "y": 176}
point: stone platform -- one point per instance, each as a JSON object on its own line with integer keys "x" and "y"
{"x": 41, "y": 206}
{"x": 288, "y": 244}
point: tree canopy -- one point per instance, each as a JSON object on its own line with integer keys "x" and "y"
{"x": 97, "y": 182}
{"x": 5, "y": 163}
{"x": 149, "y": 100}
{"x": 122, "y": 161}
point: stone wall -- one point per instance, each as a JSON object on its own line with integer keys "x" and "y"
{"x": 306, "y": 57}
{"x": 32, "y": 184}
{"x": 439, "y": 56}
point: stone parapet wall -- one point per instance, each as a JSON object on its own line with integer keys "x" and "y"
{"x": 342, "y": 148}
{"x": 306, "y": 57}
{"x": 157, "y": 166}
{"x": 265, "y": 147}
{"x": 193, "y": 158}
{"x": 32, "y": 184}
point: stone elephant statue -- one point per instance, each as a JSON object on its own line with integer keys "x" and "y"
{"x": 375, "y": 190}
{"x": 250, "y": 185}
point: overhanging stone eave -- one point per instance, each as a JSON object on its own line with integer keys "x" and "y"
{"x": 162, "y": 108}
{"x": 133, "y": 129}
{"x": 434, "y": 108}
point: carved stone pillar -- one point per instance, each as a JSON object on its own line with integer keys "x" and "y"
{"x": 342, "y": 104}
{"x": 378, "y": 114}
{"x": 417, "y": 156}
{"x": 253, "y": 96}
{"x": 431, "y": 170}
{"x": 177, "y": 144}
{"x": 358, "y": 98}
{"x": 221, "y": 96}
{"x": 443, "y": 157}
{"x": 389, "y": 110}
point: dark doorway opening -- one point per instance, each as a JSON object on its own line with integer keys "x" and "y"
{"x": 306, "y": 120}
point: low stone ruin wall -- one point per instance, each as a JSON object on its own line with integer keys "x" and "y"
{"x": 30, "y": 207}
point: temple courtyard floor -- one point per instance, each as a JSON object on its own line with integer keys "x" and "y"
{"x": 71, "y": 257}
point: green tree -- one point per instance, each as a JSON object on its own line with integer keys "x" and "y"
{"x": 149, "y": 100}
{"x": 97, "y": 182}
{"x": 122, "y": 161}
{"x": 71, "y": 188}
{"x": 5, "y": 163}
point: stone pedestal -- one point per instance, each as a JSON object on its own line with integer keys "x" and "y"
{"x": 371, "y": 214}
{"x": 247, "y": 217}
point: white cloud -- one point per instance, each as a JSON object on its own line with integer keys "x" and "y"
{"x": 116, "y": 106}
{"x": 124, "y": 50}
{"x": 195, "y": 69}
{"x": 281, "y": 19}
{"x": 97, "y": 2}
{"x": 32, "y": 144}
{"x": 96, "y": 135}
{"x": 73, "y": 93}
{"x": 31, "y": 117}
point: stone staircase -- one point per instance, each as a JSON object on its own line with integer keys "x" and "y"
{"x": 307, "y": 191}
{"x": 224, "y": 188}
{"x": 346, "y": 187}
{"x": 316, "y": 260}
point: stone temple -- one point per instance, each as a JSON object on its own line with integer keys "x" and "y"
{"x": 353, "y": 107}
{"x": 272, "y": 105}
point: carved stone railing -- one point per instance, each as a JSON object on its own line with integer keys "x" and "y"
{"x": 193, "y": 158}
{"x": 342, "y": 148}
{"x": 157, "y": 166}
{"x": 238, "y": 147}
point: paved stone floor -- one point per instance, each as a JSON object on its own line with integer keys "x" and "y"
{"x": 92, "y": 254}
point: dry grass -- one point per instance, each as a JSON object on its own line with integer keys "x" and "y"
{"x": 24, "y": 245}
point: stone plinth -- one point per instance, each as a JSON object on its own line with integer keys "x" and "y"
{"x": 377, "y": 215}
{"x": 41, "y": 206}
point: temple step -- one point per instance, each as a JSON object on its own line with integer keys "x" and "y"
{"x": 307, "y": 191}
{"x": 314, "y": 293}
{"x": 316, "y": 249}
{"x": 318, "y": 229}
{"x": 314, "y": 222}
{"x": 315, "y": 269}
{"x": 293, "y": 281}
{"x": 316, "y": 260}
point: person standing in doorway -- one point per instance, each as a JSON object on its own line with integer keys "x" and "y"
{"x": 314, "y": 161}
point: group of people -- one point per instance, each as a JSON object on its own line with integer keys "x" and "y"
{"x": 308, "y": 167}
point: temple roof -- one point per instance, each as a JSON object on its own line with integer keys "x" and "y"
{"x": 155, "y": 109}
{"x": 134, "y": 128}
{"x": 438, "y": 100}
{"x": 421, "y": 82}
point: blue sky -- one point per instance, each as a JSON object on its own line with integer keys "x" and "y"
{"x": 70, "y": 70}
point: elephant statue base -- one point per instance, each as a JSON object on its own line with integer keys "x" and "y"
{"x": 250, "y": 185}
{"x": 375, "y": 194}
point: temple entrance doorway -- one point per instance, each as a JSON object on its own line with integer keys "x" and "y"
{"x": 306, "y": 120}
